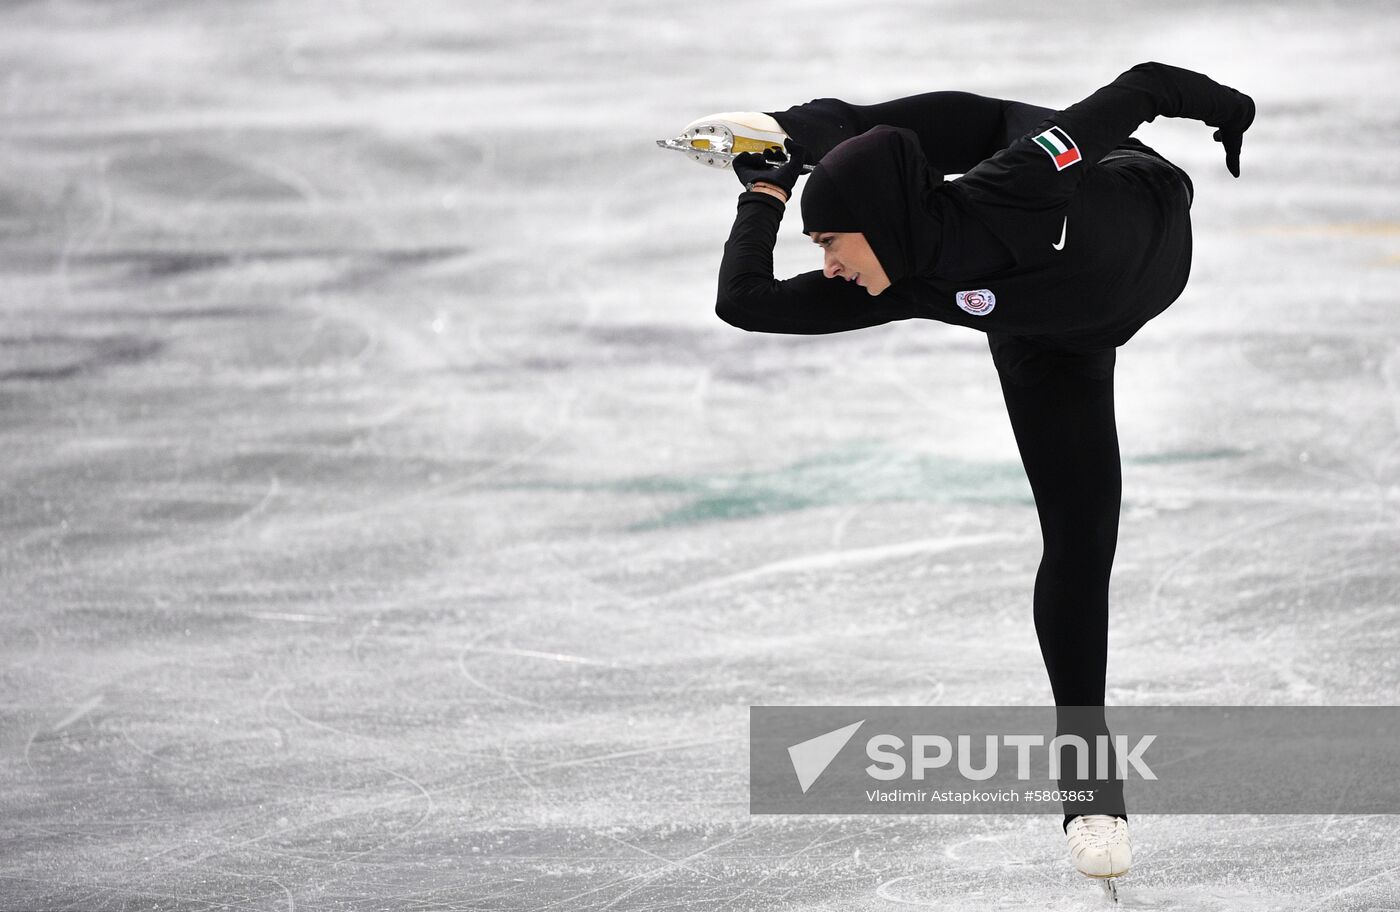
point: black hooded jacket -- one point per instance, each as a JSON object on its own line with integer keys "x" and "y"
{"x": 1073, "y": 234}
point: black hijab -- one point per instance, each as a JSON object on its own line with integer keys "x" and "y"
{"x": 880, "y": 184}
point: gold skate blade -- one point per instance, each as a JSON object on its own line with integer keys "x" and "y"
{"x": 744, "y": 144}
{"x": 738, "y": 146}
{"x": 707, "y": 152}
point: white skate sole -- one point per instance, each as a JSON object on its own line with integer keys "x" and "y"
{"x": 715, "y": 140}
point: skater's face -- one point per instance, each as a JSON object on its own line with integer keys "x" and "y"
{"x": 848, "y": 256}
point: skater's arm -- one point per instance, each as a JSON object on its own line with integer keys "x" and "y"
{"x": 956, "y": 130}
{"x": 752, "y": 299}
{"x": 1028, "y": 173}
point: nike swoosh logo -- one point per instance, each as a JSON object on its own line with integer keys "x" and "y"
{"x": 1063, "y": 226}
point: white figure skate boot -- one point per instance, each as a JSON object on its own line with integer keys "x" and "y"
{"x": 716, "y": 139}
{"x": 1100, "y": 848}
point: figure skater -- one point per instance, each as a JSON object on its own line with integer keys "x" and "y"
{"x": 1061, "y": 238}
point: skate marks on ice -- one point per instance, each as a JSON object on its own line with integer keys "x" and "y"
{"x": 1075, "y": 892}
{"x": 1082, "y": 893}
{"x": 1182, "y": 863}
{"x": 1013, "y": 870}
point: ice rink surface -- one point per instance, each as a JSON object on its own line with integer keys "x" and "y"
{"x": 389, "y": 523}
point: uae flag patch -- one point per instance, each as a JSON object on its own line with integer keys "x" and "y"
{"x": 1059, "y": 146}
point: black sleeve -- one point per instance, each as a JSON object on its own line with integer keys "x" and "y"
{"x": 750, "y": 298}
{"x": 956, "y": 130}
{"x": 1043, "y": 169}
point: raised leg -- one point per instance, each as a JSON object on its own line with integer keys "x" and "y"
{"x": 956, "y": 130}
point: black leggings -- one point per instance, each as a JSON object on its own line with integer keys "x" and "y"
{"x": 1060, "y": 405}
{"x": 1061, "y": 410}
{"x": 956, "y": 130}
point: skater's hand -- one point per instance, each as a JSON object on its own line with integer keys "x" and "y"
{"x": 1231, "y": 134}
{"x": 770, "y": 168}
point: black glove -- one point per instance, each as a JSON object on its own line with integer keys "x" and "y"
{"x": 770, "y": 167}
{"x": 1231, "y": 135}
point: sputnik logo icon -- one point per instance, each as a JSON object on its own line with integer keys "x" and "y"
{"x": 810, "y": 758}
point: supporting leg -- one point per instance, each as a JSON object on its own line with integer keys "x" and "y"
{"x": 1061, "y": 410}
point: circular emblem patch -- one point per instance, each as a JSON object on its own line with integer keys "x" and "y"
{"x": 979, "y": 303}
